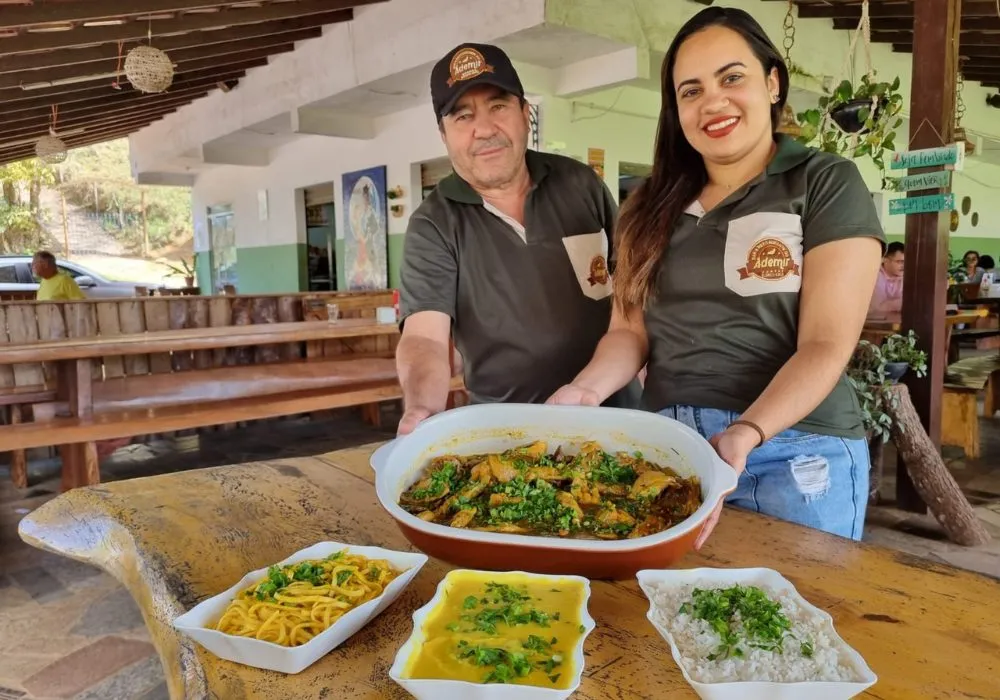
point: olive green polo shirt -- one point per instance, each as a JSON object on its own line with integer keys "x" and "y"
{"x": 528, "y": 303}
{"x": 724, "y": 317}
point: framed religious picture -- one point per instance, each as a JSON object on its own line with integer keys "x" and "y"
{"x": 366, "y": 233}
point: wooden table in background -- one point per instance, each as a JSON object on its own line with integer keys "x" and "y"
{"x": 928, "y": 631}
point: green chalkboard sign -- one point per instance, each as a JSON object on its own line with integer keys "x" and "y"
{"x": 927, "y": 204}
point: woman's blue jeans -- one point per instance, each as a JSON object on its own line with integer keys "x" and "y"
{"x": 819, "y": 481}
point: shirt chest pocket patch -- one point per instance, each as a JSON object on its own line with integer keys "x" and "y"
{"x": 764, "y": 254}
{"x": 588, "y": 254}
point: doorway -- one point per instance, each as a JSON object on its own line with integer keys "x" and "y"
{"x": 321, "y": 238}
{"x": 222, "y": 243}
{"x": 431, "y": 173}
{"x": 630, "y": 176}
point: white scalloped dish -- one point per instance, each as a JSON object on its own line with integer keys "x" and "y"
{"x": 813, "y": 662}
{"x": 199, "y": 622}
{"x": 497, "y": 636}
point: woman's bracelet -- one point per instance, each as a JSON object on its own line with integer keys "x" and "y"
{"x": 763, "y": 437}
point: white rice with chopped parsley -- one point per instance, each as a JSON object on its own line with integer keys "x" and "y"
{"x": 696, "y": 641}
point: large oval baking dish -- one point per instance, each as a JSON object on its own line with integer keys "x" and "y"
{"x": 496, "y": 427}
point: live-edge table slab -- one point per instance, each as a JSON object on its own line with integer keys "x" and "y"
{"x": 927, "y": 630}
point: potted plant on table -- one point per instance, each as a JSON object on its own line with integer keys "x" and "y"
{"x": 901, "y": 354}
{"x": 185, "y": 269}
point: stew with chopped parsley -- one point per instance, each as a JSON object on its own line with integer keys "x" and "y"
{"x": 526, "y": 490}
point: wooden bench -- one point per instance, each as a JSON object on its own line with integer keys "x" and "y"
{"x": 959, "y": 405}
{"x": 130, "y": 392}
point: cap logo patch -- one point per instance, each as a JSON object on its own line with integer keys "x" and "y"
{"x": 769, "y": 259}
{"x": 467, "y": 64}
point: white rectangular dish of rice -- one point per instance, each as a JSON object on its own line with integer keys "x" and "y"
{"x": 748, "y": 634}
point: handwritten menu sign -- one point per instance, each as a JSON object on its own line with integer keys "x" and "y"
{"x": 925, "y": 181}
{"x": 927, "y": 204}
{"x": 952, "y": 156}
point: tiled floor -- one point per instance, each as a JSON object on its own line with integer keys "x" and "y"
{"x": 70, "y": 631}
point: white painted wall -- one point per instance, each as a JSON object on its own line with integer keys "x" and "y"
{"x": 382, "y": 40}
{"x": 404, "y": 138}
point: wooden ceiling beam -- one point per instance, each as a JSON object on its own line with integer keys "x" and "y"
{"x": 89, "y": 122}
{"x": 882, "y": 10}
{"x": 965, "y": 51}
{"x": 105, "y": 83}
{"x": 968, "y": 39}
{"x": 41, "y": 13}
{"x": 93, "y": 10}
{"x": 192, "y": 49}
{"x": 134, "y": 31}
{"x": 106, "y": 95}
{"x": 10, "y": 81}
{"x": 18, "y": 120}
{"x": 95, "y": 136}
{"x": 905, "y": 24}
{"x": 125, "y": 101}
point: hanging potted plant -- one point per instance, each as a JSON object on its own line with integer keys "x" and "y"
{"x": 856, "y": 120}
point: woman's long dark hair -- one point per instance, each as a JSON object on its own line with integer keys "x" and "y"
{"x": 650, "y": 213}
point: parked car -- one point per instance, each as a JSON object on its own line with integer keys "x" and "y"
{"x": 16, "y": 278}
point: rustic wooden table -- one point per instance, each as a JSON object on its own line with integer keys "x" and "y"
{"x": 926, "y": 630}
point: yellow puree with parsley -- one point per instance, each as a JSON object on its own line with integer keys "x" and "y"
{"x": 502, "y": 628}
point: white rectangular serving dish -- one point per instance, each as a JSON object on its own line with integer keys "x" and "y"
{"x": 197, "y": 621}
{"x": 433, "y": 689}
{"x": 756, "y": 690}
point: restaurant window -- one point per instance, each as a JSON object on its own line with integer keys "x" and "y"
{"x": 8, "y": 274}
{"x": 222, "y": 239}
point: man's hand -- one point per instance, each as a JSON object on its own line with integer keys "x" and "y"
{"x": 411, "y": 418}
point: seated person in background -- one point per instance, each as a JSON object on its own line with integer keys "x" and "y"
{"x": 887, "y": 300}
{"x": 986, "y": 262}
{"x": 970, "y": 265}
{"x": 55, "y": 285}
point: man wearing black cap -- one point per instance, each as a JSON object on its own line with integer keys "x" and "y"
{"x": 510, "y": 252}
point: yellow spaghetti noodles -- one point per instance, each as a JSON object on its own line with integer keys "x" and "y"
{"x": 298, "y": 601}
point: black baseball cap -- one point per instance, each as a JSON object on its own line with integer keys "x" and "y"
{"x": 466, "y": 66}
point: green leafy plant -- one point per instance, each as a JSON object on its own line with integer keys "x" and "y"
{"x": 868, "y": 375}
{"x": 876, "y": 132}
{"x": 903, "y": 348}
{"x": 185, "y": 269}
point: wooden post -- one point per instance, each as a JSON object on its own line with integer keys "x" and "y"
{"x": 936, "y": 25}
{"x": 65, "y": 224}
{"x": 145, "y": 227}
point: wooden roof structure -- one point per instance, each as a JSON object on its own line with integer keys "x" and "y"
{"x": 892, "y": 23}
{"x": 67, "y": 56}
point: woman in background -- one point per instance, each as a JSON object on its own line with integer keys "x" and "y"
{"x": 970, "y": 266}
{"x": 746, "y": 263}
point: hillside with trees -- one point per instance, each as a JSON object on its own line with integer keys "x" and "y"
{"x": 96, "y": 184}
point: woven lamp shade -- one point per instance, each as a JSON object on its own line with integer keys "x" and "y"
{"x": 51, "y": 149}
{"x": 149, "y": 69}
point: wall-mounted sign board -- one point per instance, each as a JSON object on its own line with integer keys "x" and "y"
{"x": 927, "y": 204}
{"x": 952, "y": 157}
{"x": 926, "y": 181}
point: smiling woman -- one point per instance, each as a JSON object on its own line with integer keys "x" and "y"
{"x": 733, "y": 257}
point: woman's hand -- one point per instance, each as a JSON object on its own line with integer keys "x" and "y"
{"x": 733, "y": 444}
{"x": 574, "y": 395}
